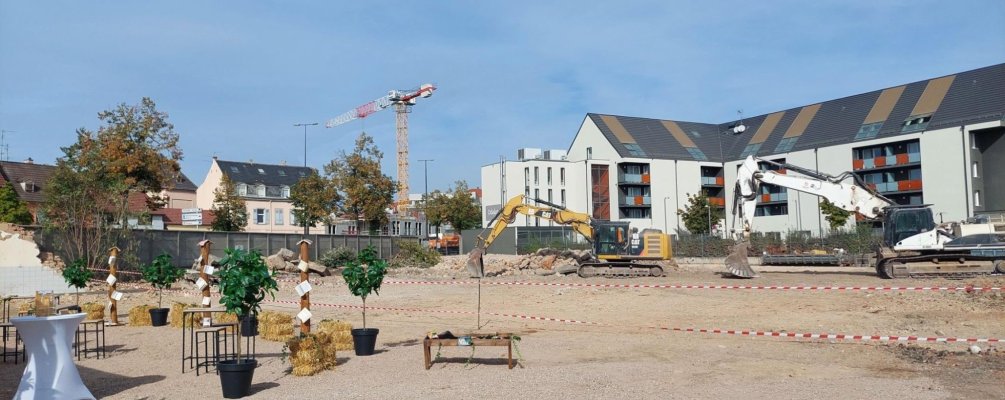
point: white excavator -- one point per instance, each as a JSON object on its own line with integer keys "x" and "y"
{"x": 913, "y": 244}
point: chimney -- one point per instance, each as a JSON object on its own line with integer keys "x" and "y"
{"x": 282, "y": 162}
{"x": 29, "y": 161}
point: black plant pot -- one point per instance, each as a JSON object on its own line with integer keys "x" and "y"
{"x": 159, "y": 316}
{"x": 364, "y": 341}
{"x": 249, "y": 325}
{"x": 236, "y": 376}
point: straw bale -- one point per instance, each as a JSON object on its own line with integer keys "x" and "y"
{"x": 93, "y": 310}
{"x": 140, "y": 315}
{"x": 275, "y": 326}
{"x": 339, "y": 331}
{"x": 311, "y": 354}
{"x": 224, "y": 318}
{"x": 176, "y": 313}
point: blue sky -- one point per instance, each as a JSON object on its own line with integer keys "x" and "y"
{"x": 234, "y": 76}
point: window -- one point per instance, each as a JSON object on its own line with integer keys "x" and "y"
{"x": 549, "y": 196}
{"x": 697, "y": 154}
{"x": 285, "y": 192}
{"x": 279, "y": 216}
{"x": 914, "y": 174}
{"x": 261, "y": 171}
{"x": 561, "y": 176}
{"x": 526, "y": 176}
{"x": 785, "y": 145}
{"x": 261, "y": 216}
{"x": 634, "y": 150}
{"x": 260, "y": 190}
{"x": 915, "y": 123}
{"x": 973, "y": 141}
{"x": 868, "y": 131}
{"x": 975, "y": 167}
{"x": 977, "y": 198}
{"x": 293, "y": 218}
{"x": 750, "y": 150}
{"x": 537, "y": 193}
{"x": 589, "y": 153}
{"x": 242, "y": 189}
{"x": 562, "y": 193}
{"x": 549, "y": 176}
{"x": 281, "y": 172}
{"x": 536, "y": 176}
{"x": 234, "y": 169}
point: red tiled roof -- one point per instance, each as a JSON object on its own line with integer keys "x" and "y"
{"x": 33, "y": 176}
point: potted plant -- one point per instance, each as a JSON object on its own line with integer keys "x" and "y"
{"x": 364, "y": 276}
{"x": 76, "y": 274}
{"x": 161, "y": 273}
{"x": 245, "y": 280}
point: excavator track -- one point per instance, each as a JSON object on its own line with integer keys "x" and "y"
{"x": 633, "y": 269}
{"x": 951, "y": 266}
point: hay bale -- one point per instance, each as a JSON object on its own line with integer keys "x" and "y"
{"x": 140, "y": 315}
{"x": 225, "y": 318}
{"x": 340, "y": 333}
{"x": 311, "y": 354}
{"x": 93, "y": 310}
{"x": 176, "y": 313}
{"x": 275, "y": 326}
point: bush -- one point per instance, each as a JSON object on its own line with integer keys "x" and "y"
{"x": 414, "y": 254}
{"x": 337, "y": 258}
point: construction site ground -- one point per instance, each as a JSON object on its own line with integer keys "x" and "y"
{"x": 619, "y": 347}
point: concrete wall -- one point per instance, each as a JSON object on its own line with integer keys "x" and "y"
{"x": 990, "y": 154}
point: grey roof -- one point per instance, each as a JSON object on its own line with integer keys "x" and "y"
{"x": 974, "y": 96}
{"x": 183, "y": 183}
{"x": 266, "y": 174}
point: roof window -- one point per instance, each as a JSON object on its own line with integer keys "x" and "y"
{"x": 234, "y": 169}
{"x": 786, "y": 144}
{"x": 868, "y": 131}
{"x": 261, "y": 171}
{"x": 750, "y": 150}
{"x": 915, "y": 123}
{"x": 697, "y": 154}
{"x": 281, "y": 172}
{"x": 635, "y": 150}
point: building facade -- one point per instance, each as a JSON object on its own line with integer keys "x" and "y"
{"x": 938, "y": 141}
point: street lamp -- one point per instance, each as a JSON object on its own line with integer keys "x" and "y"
{"x": 305, "y": 125}
{"x": 425, "y": 196}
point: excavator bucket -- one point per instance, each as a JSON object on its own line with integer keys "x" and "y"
{"x": 736, "y": 262}
{"x": 475, "y": 265}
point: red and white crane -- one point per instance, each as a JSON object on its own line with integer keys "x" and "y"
{"x": 402, "y": 100}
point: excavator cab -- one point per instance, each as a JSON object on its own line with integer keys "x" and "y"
{"x": 610, "y": 237}
{"x": 901, "y": 222}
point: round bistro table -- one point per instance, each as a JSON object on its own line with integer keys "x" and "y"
{"x": 50, "y": 373}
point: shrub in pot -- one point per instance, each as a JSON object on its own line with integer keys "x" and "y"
{"x": 364, "y": 276}
{"x": 76, "y": 274}
{"x": 161, "y": 273}
{"x": 245, "y": 280}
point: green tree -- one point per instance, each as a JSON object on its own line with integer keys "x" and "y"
{"x": 230, "y": 213}
{"x": 12, "y": 209}
{"x": 365, "y": 190}
{"x": 837, "y": 217}
{"x": 315, "y": 199}
{"x": 458, "y": 208}
{"x": 698, "y": 213}
{"x": 133, "y": 153}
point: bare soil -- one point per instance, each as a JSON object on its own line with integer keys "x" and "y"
{"x": 626, "y": 353}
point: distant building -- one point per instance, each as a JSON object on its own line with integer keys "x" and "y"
{"x": 29, "y": 181}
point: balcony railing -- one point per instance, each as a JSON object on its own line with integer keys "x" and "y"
{"x": 886, "y": 161}
{"x": 712, "y": 181}
{"x": 638, "y": 201}
{"x": 774, "y": 197}
{"x": 898, "y": 186}
{"x": 638, "y": 179}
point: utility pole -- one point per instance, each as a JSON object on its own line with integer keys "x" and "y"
{"x": 425, "y": 183}
{"x": 305, "y": 125}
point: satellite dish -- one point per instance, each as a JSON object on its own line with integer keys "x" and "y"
{"x": 739, "y": 129}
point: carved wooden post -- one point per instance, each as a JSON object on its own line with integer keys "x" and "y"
{"x": 305, "y": 299}
{"x": 203, "y": 262}
{"x": 113, "y": 310}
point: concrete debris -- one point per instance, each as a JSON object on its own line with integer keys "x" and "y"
{"x": 542, "y": 263}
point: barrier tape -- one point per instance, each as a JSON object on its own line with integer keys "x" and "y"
{"x": 967, "y": 289}
{"x": 751, "y": 333}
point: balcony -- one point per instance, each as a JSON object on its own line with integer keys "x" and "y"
{"x": 886, "y": 161}
{"x": 717, "y": 201}
{"x": 717, "y": 181}
{"x": 913, "y": 185}
{"x": 633, "y": 179}
{"x": 774, "y": 197}
{"x": 635, "y": 201}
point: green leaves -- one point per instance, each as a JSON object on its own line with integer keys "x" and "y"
{"x": 76, "y": 274}
{"x": 244, "y": 282}
{"x": 458, "y": 208}
{"x": 229, "y": 210}
{"x": 699, "y": 213}
{"x": 836, "y": 216}
{"x": 12, "y": 209}
{"x": 161, "y": 273}
{"x": 315, "y": 199}
{"x": 365, "y": 275}
{"x": 357, "y": 177}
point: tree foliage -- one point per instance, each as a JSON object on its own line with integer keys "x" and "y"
{"x": 230, "y": 213}
{"x": 365, "y": 190}
{"x": 457, "y": 208}
{"x": 698, "y": 212}
{"x": 315, "y": 199}
{"x": 134, "y": 153}
{"x": 837, "y": 217}
{"x": 12, "y": 209}
{"x": 161, "y": 273}
{"x": 76, "y": 275}
{"x": 365, "y": 275}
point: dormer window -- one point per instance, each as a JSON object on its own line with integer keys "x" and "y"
{"x": 260, "y": 190}
{"x": 286, "y": 192}
{"x": 28, "y": 186}
{"x": 261, "y": 171}
{"x": 234, "y": 169}
{"x": 281, "y": 172}
{"x": 242, "y": 189}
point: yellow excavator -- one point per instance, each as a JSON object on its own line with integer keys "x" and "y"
{"x": 617, "y": 251}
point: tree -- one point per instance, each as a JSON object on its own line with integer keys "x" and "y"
{"x": 357, "y": 177}
{"x": 699, "y": 214}
{"x": 230, "y": 213}
{"x": 315, "y": 199}
{"x": 134, "y": 153}
{"x": 459, "y": 208}
{"x": 12, "y": 209}
{"x": 835, "y": 216}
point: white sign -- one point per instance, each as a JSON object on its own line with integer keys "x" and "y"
{"x": 201, "y": 283}
{"x": 304, "y": 315}
{"x": 116, "y": 295}
{"x": 191, "y": 210}
{"x": 303, "y": 287}
{"x": 198, "y": 222}
{"x": 111, "y": 279}
{"x": 206, "y": 321}
{"x": 205, "y": 301}
{"x": 302, "y": 266}
{"x": 209, "y": 269}
{"x": 191, "y": 217}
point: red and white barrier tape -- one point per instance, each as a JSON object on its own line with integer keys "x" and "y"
{"x": 967, "y": 289}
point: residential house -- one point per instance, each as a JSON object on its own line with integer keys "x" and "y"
{"x": 265, "y": 189}
{"x": 29, "y": 181}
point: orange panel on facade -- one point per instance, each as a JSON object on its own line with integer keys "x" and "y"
{"x": 902, "y": 159}
{"x": 719, "y": 181}
{"x": 857, "y": 164}
{"x": 638, "y": 200}
{"x": 879, "y": 161}
{"x": 645, "y": 178}
{"x": 765, "y": 198}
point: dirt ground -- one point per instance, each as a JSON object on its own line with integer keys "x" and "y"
{"x": 624, "y": 353}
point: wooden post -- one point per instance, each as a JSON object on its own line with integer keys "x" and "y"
{"x": 113, "y": 311}
{"x": 203, "y": 262}
{"x": 305, "y": 299}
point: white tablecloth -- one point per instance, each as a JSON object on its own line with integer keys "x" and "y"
{"x": 50, "y": 373}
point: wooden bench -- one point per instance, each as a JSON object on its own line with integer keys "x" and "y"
{"x": 476, "y": 340}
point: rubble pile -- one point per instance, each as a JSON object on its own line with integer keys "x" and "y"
{"x": 545, "y": 261}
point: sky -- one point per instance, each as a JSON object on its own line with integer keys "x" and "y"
{"x": 235, "y": 76}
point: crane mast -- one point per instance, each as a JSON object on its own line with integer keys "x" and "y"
{"x": 402, "y": 100}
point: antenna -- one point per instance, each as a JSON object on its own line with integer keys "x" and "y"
{"x": 4, "y": 147}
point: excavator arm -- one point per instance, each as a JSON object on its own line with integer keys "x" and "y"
{"x": 581, "y": 223}
{"x": 845, "y": 191}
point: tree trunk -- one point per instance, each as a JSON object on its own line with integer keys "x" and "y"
{"x": 364, "y": 312}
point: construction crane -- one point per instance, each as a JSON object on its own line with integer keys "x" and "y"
{"x": 402, "y": 100}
